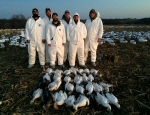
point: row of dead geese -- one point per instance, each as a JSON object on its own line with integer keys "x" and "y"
{"x": 75, "y": 88}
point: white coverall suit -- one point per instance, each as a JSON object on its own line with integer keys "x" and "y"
{"x": 66, "y": 48}
{"x": 46, "y": 22}
{"x": 76, "y": 33}
{"x": 94, "y": 31}
{"x": 34, "y": 31}
{"x": 56, "y": 37}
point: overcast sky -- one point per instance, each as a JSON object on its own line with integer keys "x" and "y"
{"x": 107, "y": 8}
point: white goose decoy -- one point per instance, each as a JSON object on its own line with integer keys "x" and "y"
{"x": 79, "y": 89}
{"x": 69, "y": 87}
{"x": 54, "y": 85}
{"x": 73, "y": 70}
{"x": 78, "y": 79}
{"x": 86, "y": 71}
{"x": 142, "y": 39}
{"x": 67, "y": 79}
{"x": 67, "y": 72}
{"x": 46, "y": 77}
{"x": 85, "y": 78}
{"x": 80, "y": 71}
{"x": 89, "y": 88}
{"x": 81, "y": 102}
{"x": 103, "y": 101}
{"x": 90, "y": 78}
{"x": 22, "y": 34}
{"x": 132, "y": 41}
{"x": 112, "y": 99}
{"x": 59, "y": 98}
{"x": 70, "y": 100}
{"x": 97, "y": 87}
{"x": 36, "y": 94}
{"x": 49, "y": 71}
{"x": 122, "y": 40}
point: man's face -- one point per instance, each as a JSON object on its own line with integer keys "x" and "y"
{"x": 92, "y": 15}
{"x": 67, "y": 15}
{"x": 48, "y": 13}
{"x": 35, "y": 12}
{"x": 76, "y": 18}
{"x": 55, "y": 18}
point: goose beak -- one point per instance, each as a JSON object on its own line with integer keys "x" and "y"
{"x": 55, "y": 106}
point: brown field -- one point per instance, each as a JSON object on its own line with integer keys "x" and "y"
{"x": 130, "y": 77}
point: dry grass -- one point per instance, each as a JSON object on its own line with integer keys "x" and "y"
{"x": 130, "y": 77}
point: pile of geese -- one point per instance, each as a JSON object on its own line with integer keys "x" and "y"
{"x": 74, "y": 88}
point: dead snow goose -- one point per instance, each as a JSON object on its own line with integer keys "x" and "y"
{"x": 69, "y": 87}
{"x": 97, "y": 87}
{"x": 85, "y": 78}
{"x": 89, "y": 88}
{"x": 54, "y": 85}
{"x": 86, "y": 71}
{"x": 80, "y": 71}
{"x": 73, "y": 70}
{"x": 49, "y": 71}
{"x": 70, "y": 100}
{"x": 67, "y": 72}
{"x": 46, "y": 77}
{"x": 59, "y": 98}
{"x": 67, "y": 79}
{"x": 78, "y": 79}
{"x": 81, "y": 102}
{"x": 36, "y": 94}
{"x": 112, "y": 99}
{"x": 79, "y": 89}
{"x": 103, "y": 101}
{"x": 90, "y": 78}
{"x": 105, "y": 86}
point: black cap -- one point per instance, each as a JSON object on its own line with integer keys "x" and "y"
{"x": 54, "y": 14}
{"x": 93, "y": 11}
{"x": 47, "y": 9}
{"x": 34, "y": 9}
{"x": 67, "y": 11}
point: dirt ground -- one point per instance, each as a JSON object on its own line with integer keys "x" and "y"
{"x": 130, "y": 77}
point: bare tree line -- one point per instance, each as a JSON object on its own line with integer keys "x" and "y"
{"x": 18, "y": 21}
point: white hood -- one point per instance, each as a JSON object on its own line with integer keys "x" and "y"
{"x": 98, "y": 15}
{"x": 78, "y": 18}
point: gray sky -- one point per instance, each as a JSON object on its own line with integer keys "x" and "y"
{"x": 107, "y": 8}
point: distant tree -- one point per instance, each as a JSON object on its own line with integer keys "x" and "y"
{"x": 18, "y": 21}
{"x": 18, "y": 17}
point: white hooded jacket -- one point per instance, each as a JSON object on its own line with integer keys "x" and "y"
{"x": 94, "y": 28}
{"x": 65, "y": 23}
{"x": 47, "y": 21}
{"x": 55, "y": 35}
{"x": 34, "y": 31}
{"x": 76, "y": 32}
